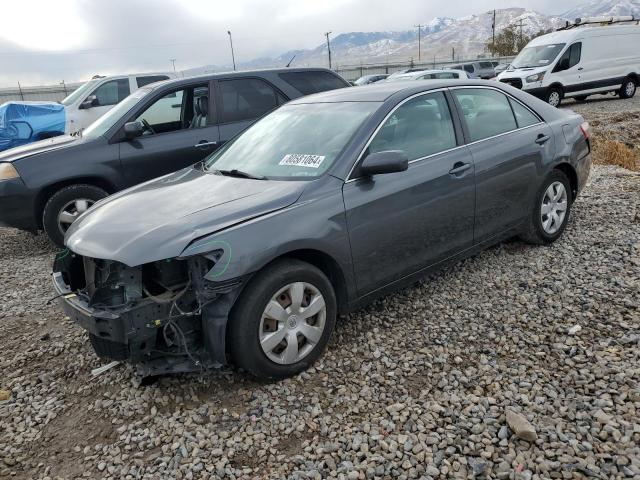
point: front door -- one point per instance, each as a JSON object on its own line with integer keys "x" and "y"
{"x": 178, "y": 132}
{"x": 400, "y": 223}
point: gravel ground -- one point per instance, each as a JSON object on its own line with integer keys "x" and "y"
{"x": 445, "y": 379}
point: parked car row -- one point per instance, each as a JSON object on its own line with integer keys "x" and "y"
{"x": 329, "y": 201}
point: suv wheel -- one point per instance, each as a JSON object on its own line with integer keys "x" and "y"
{"x": 283, "y": 319}
{"x": 64, "y": 206}
{"x": 553, "y": 96}
{"x": 550, "y": 210}
{"x": 628, "y": 88}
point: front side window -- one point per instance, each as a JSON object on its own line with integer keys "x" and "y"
{"x": 177, "y": 110}
{"x": 469, "y": 68}
{"x": 312, "y": 82}
{"x": 420, "y": 127}
{"x": 247, "y": 99}
{"x": 570, "y": 58}
{"x": 112, "y": 92}
{"x": 295, "y": 142}
{"x": 486, "y": 112}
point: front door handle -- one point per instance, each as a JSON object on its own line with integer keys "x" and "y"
{"x": 205, "y": 144}
{"x": 459, "y": 167}
{"x": 542, "y": 139}
{"x": 580, "y": 68}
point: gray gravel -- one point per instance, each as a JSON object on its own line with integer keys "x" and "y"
{"x": 417, "y": 385}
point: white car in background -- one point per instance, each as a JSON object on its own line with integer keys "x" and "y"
{"x": 100, "y": 94}
{"x": 432, "y": 75}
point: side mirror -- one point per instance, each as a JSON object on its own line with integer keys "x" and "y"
{"x": 133, "y": 129}
{"x": 389, "y": 161}
{"x": 90, "y": 101}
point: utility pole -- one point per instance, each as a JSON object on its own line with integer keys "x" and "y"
{"x": 64, "y": 87}
{"x": 328, "y": 47}
{"x": 493, "y": 34}
{"x": 419, "y": 27}
{"x": 173, "y": 62}
{"x": 233, "y": 57}
{"x": 520, "y": 24}
{"x": 453, "y": 54}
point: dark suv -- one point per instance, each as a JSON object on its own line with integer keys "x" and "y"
{"x": 157, "y": 130}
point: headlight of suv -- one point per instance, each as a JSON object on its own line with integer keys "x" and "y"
{"x": 536, "y": 77}
{"x": 8, "y": 171}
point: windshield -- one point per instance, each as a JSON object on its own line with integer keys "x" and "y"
{"x": 538, "y": 56}
{"x": 105, "y": 122}
{"x": 79, "y": 92}
{"x": 362, "y": 80}
{"x": 294, "y": 142}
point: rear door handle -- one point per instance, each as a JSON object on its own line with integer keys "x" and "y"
{"x": 542, "y": 139}
{"x": 459, "y": 167}
{"x": 580, "y": 68}
{"x": 205, "y": 144}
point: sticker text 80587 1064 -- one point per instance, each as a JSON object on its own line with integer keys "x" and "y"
{"x": 302, "y": 160}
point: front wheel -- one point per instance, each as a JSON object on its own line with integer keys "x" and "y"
{"x": 628, "y": 89}
{"x": 283, "y": 319}
{"x": 551, "y": 209}
{"x": 553, "y": 96}
{"x": 64, "y": 206}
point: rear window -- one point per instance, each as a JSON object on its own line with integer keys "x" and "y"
{"x": 312, "y": 82}
{"x": 146, "y": 80}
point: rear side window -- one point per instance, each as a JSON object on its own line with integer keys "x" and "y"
{"x": 486, "y": 64}
{"x": 469, "y": 68}
{"x": 146, "y": 80}
{"x": 486, "y": 112}
{"x": 524, "y": 117}
{"x": 420, "y": 127}
{"x": 312, "y": 82}
{"x": 112, "y": 92}
{"x": 445, "y": 75}
{"x": 247, "y": 99}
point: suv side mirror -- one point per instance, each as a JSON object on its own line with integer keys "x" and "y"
{"x": 133, "y": 129}
{"x": 389, "y": 161}
{"x": 90, "y": 101}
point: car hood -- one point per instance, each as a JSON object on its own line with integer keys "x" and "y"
{"x": 158, "y": 219}
{"x": 34, "y": 148}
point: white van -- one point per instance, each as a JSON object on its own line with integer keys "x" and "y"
{"x": 100, "y": 94}
{"x": 593, "y": 55}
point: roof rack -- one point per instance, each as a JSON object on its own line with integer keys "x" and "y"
{"x": 600, "y": 21}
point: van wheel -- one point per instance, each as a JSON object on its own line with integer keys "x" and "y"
{"x": 282, "y": 321}
{"x": 64, "y": 206}
{"x": 551, "y": 208}
{"x": 581, "y": 98}
{"x": 628, "y": 89}
{"x": 553, "y": 96}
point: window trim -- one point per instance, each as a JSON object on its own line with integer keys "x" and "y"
{"x": 455, "y": 118}
{"x": 219, "y": 102}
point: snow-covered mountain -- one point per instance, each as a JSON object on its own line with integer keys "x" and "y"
{"x": 604, "y": 8}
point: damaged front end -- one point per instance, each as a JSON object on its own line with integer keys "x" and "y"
{"x": 166, "y": 316}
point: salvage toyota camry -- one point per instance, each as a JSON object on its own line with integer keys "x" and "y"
{"x": 328, "y": 202}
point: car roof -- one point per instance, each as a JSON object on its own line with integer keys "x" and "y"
{"x": 234, "y": 74}
{"x": 381, "y": 91}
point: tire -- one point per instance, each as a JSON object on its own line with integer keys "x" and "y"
{"x": 63, "y": 200}
{"x": 246, "y": 324}
{"x": 581, "y": 98}
{"x": 628, "y": 89}
{"x": 553, "y": 96}
{"x": 535, "y": 231}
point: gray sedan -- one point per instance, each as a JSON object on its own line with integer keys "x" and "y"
{"x": 325, "y": 204}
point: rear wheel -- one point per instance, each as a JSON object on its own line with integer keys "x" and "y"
{"x": 553, "y": 96}
{"x": 282, "y": 321}
{"x": 551, "y": 209}
{"x": 628, "y": 89}
{"x": 64, "y": 206}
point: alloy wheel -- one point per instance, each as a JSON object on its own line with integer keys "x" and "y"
{"x": 630, "y": 88}
{"x": 554, "y": 207}
{"x": 71, "y": 211}
{"x": 292, "y": 323}
{"x": 554, "y": 99}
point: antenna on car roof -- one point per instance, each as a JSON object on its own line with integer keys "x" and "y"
{"x": 600, "y": 21}
{"x": 290, "y": 61}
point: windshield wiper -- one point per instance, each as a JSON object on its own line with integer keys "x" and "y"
{"x": 239, "y": 173}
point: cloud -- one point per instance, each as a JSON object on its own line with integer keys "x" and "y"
{"x": 42, "y": 41}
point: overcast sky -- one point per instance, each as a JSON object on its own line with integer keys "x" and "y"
{"x": 46, "y": 41}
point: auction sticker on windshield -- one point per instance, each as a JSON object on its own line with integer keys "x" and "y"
{"x": 301, "y": 160}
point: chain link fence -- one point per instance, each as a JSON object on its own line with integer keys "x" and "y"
{"x": 53, "y": 93}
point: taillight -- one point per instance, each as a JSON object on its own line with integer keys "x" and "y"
{"x": 585, "y": 128}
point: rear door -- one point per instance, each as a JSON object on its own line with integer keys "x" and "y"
{"x": 242, "y": 101}
{"x": 400, "y": 223}
{"x": 180, "y": 132}
{"x": 509, "y": 145}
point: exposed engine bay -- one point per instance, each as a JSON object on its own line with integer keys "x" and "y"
{"x": 165, "y": 316}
